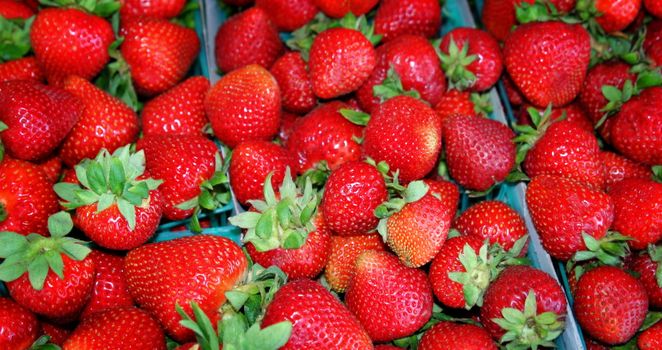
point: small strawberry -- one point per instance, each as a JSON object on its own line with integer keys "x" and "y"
{"x": 498, "y": 16}
{"x": 492, "y": 220}
{"x": 651, "y": 338}
{"x": 647, "y": 266}
{"x": 291, "y": 73}
{"x": 287, "y": 126}
{"x": 514, "y": 95}
{"x": 344, "y": 251}
{"x": 110, "y": 289}
{"x": 604, "y": 74}
{"x": 21, "y": 69}
{"x": 417, "y": 17}
{"x": 449, "y": 335}
{"x": 19, "y": 328}
{"x": 12, "y": 9}
{"x": 338, "y": 9}
{"x": 572, "y": 112}
{"x": 611, "y": 15}
{"x": 638, "y": 211}
{"x": 52, "y": 168}
{"x": 618, "y": 168}
{"x": 57, "y": 334}
{"x": 654, "y": 7}
{"x": 446, "y": 191}
{"x": 288, "y": 15}
{"x": 153, "y": 8}
{"x": 464, "y": 103}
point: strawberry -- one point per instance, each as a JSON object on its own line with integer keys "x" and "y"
{"x": 593, "y": 345}
{"x": 36, "y": 118}
{"x": 654, "y": 7}
{"x": 178, "y": 111}
{"x": 387, "y": 347}
{"x": 70, "y": 42}
{"x": 638, "y": 211}
{"x": 57, "y": 334}
{"x": 11, "y": 9}
{"x": 26, "y": 198}
{"x": 412, "y": 60}
{"x": 351, "y": 195}
{"x": 344, "y": 251}
{"x": 514, "y": 95}
{"x": 604, "y": 74}
{"x": 652, "y": 44}
{"x": 125, "y": 328}
{"x": 417, "y": 17}
{"x": 324, "y": 135}
{"x": 153, "y": 8}
{"x": 563, "y": 210}
{"x": 406, "y": 134}
{"x": 548, "y": 61}
{"x": 611, "y": 15}
{"x": 291, "y": 73}
{"x": 479, "y": 151}
{"x": 159, "y": 53}
{"x": 338, "y": 9}
{"x": 389, "y": 299}
{"x": 288, "y": 15}
{"x": 572, "y": 112}
{"x": 199, "y": 268}
{"x": 456, "y": 102}
{"x": 251, "y": 88}
{"x": 610, "y": 305}
{"x": 471, "y": 59}
{"x": 247, "y": 38}
{"x": 618, "y": 168}
{"x": 534, "y": 297}
{"x": 110, "y": 289}
{"x": 287, "y": 126}
{"x": 60, "y": 277}
{"x": 499, "y": 16}
{"x": 651, "y": 338}
{"x": 447, "y": 191}
{"x": 21, "y": 69}
{"x": 52, "y": 168}
{"x": 492, "y": 220}
{"x": 319, "y": 320}
{"x": 449, "y": 335}
{"x": 646, "y": 266}
{"x": 18, "y": 327}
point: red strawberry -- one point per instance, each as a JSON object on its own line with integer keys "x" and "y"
{"x": 638, "y": 211}
{"x": 52, "y": 168}
{"x": 152, "y": 8}
{"x": 11, "y": 9}
{"x": 110, "y": 289}
{"x": 610, "y": 305}
{"x": 618, "y": 168}
{"x": 244, "y": 105}
{"x": 319, "y": 320}
{"x": 288, "y": 15}
{"x": 338, "y": 9}
{"x": 344, "y": 251}
{"x": 449, "y": 335}
{"x": 514, "y": 95}
{"x": 572, "y": 112}
{"x": 499, "y": 16}
{"x": 37, "y": 117}
{"x": 456, "y": 102}
{"x": 178, "y": 111}
{"x": 18, "y": 327}
{"x": 390, "y": 300}
{"x": 654, "y": 7}
{"x": 651, "y": 338}
{"x": 604, "y": 74}
{"x": 159, "y": 53}
{"x": 652, "y": 44}
{"x": 287, "y": 126}
{"x": 493, "y": 220}
{"x": 125, "y": 327}
{"x": 614, "y": 15}
{"x": 447, "y": 191}
{"x": 21, "y": 69}
{"x": 26, "y": 198}
{"x": 548, "y": 61}
{"x": 417, "y": 17}
{"x": 593, "y": 345}
{"x": 247, "y": 38}
{"x": 291, "y": 73}
{"x": 57, "y": 334}
{"x": 70, "y": 42}
{"x": 199, "y": 268}
{"x": 646, "y": 266}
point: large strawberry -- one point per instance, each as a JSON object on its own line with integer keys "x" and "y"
{"x": 291, "y": 73}
{"x": 646, "y": 265}
{"x": 604, "y": 74}
{"x": 19, "y": 328}
{"x": 611, "y": 15}
{"x": 492, "y": 220}
{"x": 398, "y": 17}
{"x": 288, "y": 15}
{"x": 110, "y": 289}
{"x": 449, "y": 335}
{"x": 244, "y": 105}
{"x": 638, "y": 211}
{"x": 338, "y": 9}
{"x": 21, "y": 69}
{"x": 344, "y": 251}
{"x": 152, "y": 8}
{"x": 618, "y": 168}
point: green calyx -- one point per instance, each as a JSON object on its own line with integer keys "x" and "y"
{"x": 540, "y": 11}
{"x": 354, "y": 116}
{"x": 280, "y": 223}
{"x": 482, "y": 103}
{"x": 116, "y": 76}
{"x": 528, "y": 330}
{"x": 36, "y": 254}
{"x": 14, "y": 38}
{"x": 186, "y": 17}
{"x": 3, "y": 127}
{"x": 656, "y": 169}
{"x": 455, "y": 65}
{"x": 610, "y": 250}
{"x": 392, "y": 86}
{"x": 256, "y": 291}
{"x": 655, "y": 254}
{"x": 646, "y": 78}
{"x": 102, "y": 8}
{"x": 350, "y": 21}
{"x": 528, "y": 135}
{"x": 43, "y": 343}
{"x": 317, "y": 176}
{"x": 107, "y": 180}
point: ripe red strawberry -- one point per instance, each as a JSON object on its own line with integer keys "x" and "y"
{"x": 618, "y": 168}
{"x": 125, "y": 327}
{"x": 456, "y": 102}
{"x": 614, "y": 15}
{"x": 291, "y": 73}
{"x": 514, "y": 95}
{"x": 414, "y": 61}
{"x": 417, "y": 17}
{"x": 70, "y": 42}
{"x": 57, "y": 334}
{"x": 37, "y": 117}
{"x": 178, "y": 111}
{"x": 499, "y": 16}
{"x": 247, "y": 38}
{"x": 324, "y": 135}
{"x": 609, "y": 73}
{"x": 563, "y": 209}
{"x": 52, "y": 168}
{"x": 340, "y": 61}
{"x": 572, "y": 112}
{"x": 18, "y": 327}
{"x": 548, "y": 61}
{"x": 493, "y": 220}
{"x": 26, "y": 198}
{"x": 21, "y": 69}
{"x": 351, "y": 195}
{"x": 389, "y": 299}
{"x": 11, "y": 9}
{"x": 199, "y": 268}
{"x": 319, "y": 320}
{"x": 159, "y": 53}
{"x": 652, "y": 44}
{"x": 286, "y": 127}
{"x": 528, "y": 293}
{"x": 638, "y": 211}
{"x": 152, "y": 8}
{"x": 244, "y": 105}
{"x": 610, "y": 305}
{"x": 449, "y": 335}
{"x": 110, "y": 289}
{"x": 344, "y": 251}
{"x": 654, "y": 7}
{"x": 338, "y": 9}
{"x": 651, "y": 338}
{"x": 594, "y": 345}
{"x": 471, "y": 59}
{"x": 645, "y": 265}
{"x": 447, "y": 191}
{"x": 288, "y": 15}
{"x": 406, "y": 134}
{"x": 251, "y": 163}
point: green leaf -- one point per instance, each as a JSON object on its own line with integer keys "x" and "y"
{"x": 105, "y": 201}
{"x": 116, "y": 176}
{"x": 75, "y": 250}
{"x": 13, "y": 267}
{"x": 356, "y": 117}
{"x": 415, "y": 191}
{"x": 11, "y": 243}
{"x": 294, "y": 240}
{"x": 247, "y": 219}
{"x": 236, "y": 298}
{"x": 67, "y": 191}
{"x": 96, "y": 177}
{"x": 612, "y": 93}
{"x": 128, "y": 211}
{"x": 37, "y": 272}
{"x": 3, "y": 126}
{"x": 269, "y": 338}
{"x": 60, "y": 224}
{"x": 265, "y": 225}
{"x": 188, "y": 205}
{"x": 54, "y": 259}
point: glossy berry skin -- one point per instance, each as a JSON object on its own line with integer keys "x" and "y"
{"x": 618, "y": 168}
{"x": 562, "y": 209}
{"x": 654, "y": 7}
{"x": 406, "y": 134}
{"x": 415, "y": 61}
{"x": 499, "y": 16}
{"x": 609, "y": 73}
{"x": 38, "y": 116}
{"x": 344, "y": 251}
{"x": 645, "y": 267}
{"x": 397, "y": 17}
{"x": 449, "y": 335}
{"x": 351, "y": 195}
{"x": 178, "y": 111}
{"x": 11, "y": 9}
{"x": 58, "y": 334}
{"x": 447, "y": 192}
{"x": 291, "y": 73}
{"x": 493, "y": 220}
{"x": 27, "y": 198}
{"x": 287, "y": 126}
{"x": 198, "y": 268}
{"x": 610, "y": 305}
{"x": 70, "y": 42}
{"x": 106, "y": 123}
{"x": 616, "y": 15}
{"x": 638, "y": 211}
{"x": 651, "y": 338}
{"x": 60, "y": 300}
{"x": 110, "y": 289}
{"x": 548, "y": 61}
{"x": 152, "y": 8}
{"x": 573, "y": 113}
{"x": 19, "y": 328}
{"x": 125, "y": 327}
{"x": 25, "y": 68}
{"x": 510, "y": 290}
{"x": 389, "y": 299}
{"x": 288, "y": 15}
{"x": 455, "y": 102}
{"x": 247, "y": 38}
{"x": 244, "y": 105}
{"x": 250, "y": 164}
{"x": 340, "y": 61}
{"x": 488, "y": 64}
{"x": 652, "y": 44}
{"x": 338, "y": 9}
{"x": 52, "y": 168}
